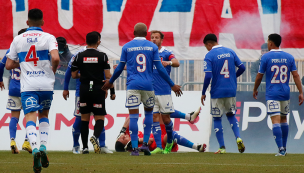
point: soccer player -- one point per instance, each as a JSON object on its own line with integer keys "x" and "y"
{"x": 94, "y": 68}
{"x": 123, "y": 142}
{"x": 77, "y": 122}
{"x": 278, "y": 65}
{"x": 219, "y": 64}
{"x": 14, "y": 103}
{"x": 38, "y": 56}
{"x": 140, "y": 55}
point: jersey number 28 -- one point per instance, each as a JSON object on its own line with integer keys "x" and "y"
{"x": 283, "y": 73}
{"x": 32, "y": 52}
{"x": 141, "y": 61}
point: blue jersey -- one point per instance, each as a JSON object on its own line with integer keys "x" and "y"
{"x": 139, "y": 55}
{"x": 221, "y": 61}
{"x": 277, "y": 65}
{"x": 14, "y": 86}
{"x": 161, "y": 87}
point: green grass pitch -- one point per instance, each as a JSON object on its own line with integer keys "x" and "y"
{"x": 174, "y": 162}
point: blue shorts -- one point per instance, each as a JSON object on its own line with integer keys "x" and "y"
{"x": 33, "y": 101}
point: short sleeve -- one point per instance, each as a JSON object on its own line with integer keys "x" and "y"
{"x": 263, "y": 65}
{"x": 293, "y": 65}
{"x": 52, "y": 43}
{"x": 207, "y": 63}
{"x": 13, "y": 52}
{"x": 155, "y": 54}
{"x": 75, "y": 64}
{"x": 123, "y": 57}
{"x": 237, "y": 61}
{"x": 106, "y": 64}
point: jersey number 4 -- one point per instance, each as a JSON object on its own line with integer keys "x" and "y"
{"x": 225, "y": 70}
{"x": 32, "y": 52}
{"x": 283, "y": 73}
{"x": 141, "y": 61}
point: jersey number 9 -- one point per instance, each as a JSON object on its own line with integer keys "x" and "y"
{"x": 141, "y": 61}
{"x": 32, "y": 52}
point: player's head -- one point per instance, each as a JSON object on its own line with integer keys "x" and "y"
{"x": 274, "y": 41}
{"x": 140, "y": 30}
{"x": 35, "y": 18}
{"x": 22, "y": 31}
{"x": 62, "y": 44}
{"x": 121, "y": 142}
{"x": 264, "y": 48}
{"x": 93, "y": 39}
{"x": 157, "y": 37}
{"x": 210, "y": 40}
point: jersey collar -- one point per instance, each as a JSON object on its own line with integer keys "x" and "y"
{"x": 161, "y": 49}
{"x": 139, "y": 38}
{"x": 217, "y": 46}
{"x": 275, "y": 50}
{"x": 34, "y": 28}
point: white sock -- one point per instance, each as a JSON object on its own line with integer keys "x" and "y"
{"x": 187, "y": 117}
{"x": 32, "y": 136}
{"x": 44, "y": 132}
{"x": 194, "y": 146}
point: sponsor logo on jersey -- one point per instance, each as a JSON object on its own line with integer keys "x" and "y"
{"x": 31, "y": 34}
{"x": 224, "y": 55}
{"x": 90, "y": 60}
{"x": 97, "y": 105}
{"x": 35, "y": 73}
{"x": 83, "y": 104}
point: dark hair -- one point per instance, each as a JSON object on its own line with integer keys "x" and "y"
{"x": 97, "y": 34}
{"x": 160, "y": 33}
{"x": 119, "y": 147}
{"x": 276, "y": 39}
{"x": 35, "y": 14}
{"x": 92, "y": 38}
{"x": 22, "y": 31}
{"x": 61, "y": 40}
{"x": 210, "y": 38}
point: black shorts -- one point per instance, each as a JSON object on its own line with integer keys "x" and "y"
{"x": 92, "y": 101}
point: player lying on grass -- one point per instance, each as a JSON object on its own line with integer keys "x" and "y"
{"x": 123, "y": 142}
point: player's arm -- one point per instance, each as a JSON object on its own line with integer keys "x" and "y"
{"x": 55, "y": 59}
{"x": 259, "y": 76}
{"x": 75, "y": 69}
{"x": 67, "y": 78}
{"x": 108, "y": 76}
{"x": 12, "y": 58}
{"x": 208, "y": 77}
{"x": 241, "y": 70}
{"x": 2, "y": 66}
{"x": 297, "y": 80}
{"x": 172, "y": 61}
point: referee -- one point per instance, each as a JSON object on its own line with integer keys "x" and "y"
{"x": 92, "y": 67}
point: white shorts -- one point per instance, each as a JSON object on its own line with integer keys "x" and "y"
{"x": 14, "y": 103}
{"x": 163, "y": 104}
{"x": 277, "y": 107}
{"x": 222, "y": 106}
{"x": 77, "y": 104}
{"x": 135, "y": 97}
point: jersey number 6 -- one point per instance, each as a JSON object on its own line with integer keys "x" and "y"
{"x": 32, "y": 52}
{"x": 141, "y": 60}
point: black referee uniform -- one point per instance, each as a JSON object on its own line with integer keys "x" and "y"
{"x": 91, "y": 64}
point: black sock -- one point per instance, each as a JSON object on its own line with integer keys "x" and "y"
{"x": 84, "y": 133}
{"x": 98, "y": 128}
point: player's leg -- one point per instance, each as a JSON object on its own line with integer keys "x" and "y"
{"x": 284, "y": 124}
{"x": 191, "y": 117}
{"x": 273, "y": 110}
{"x": 133, "y": 101}
{"x": 99, "y": 126}
{"x": 234, "y": 124}
{"x": 102, "y": 143}
{"x": 180, "y": 140}
{"x": 156, "y": 130}
{"x": 13, "y": 129}
{"x": 76, "y": 127}
{"x": 84, "y": 131}
{"x": 217, "y": 109}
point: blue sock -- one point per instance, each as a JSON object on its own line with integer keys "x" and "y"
{"x": 13, "y": 127}
{"x": 277, "y": 133}
{"x": 234, "y": 125}
{"x": 219, "y": 130}
{"x": 284, "y": 128}
{"x": 133, "y": 129}
{"x": 102, "y": 138}
{"x": 169, "y": 130}
{"x": 76, "y": 131}
{"x": 181, "y": 140}
{"x": 178, "y": 114}
{"x": 157, "y": 134}
{"x": 148, "y": 125}
{"x": 26, "y": 138}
